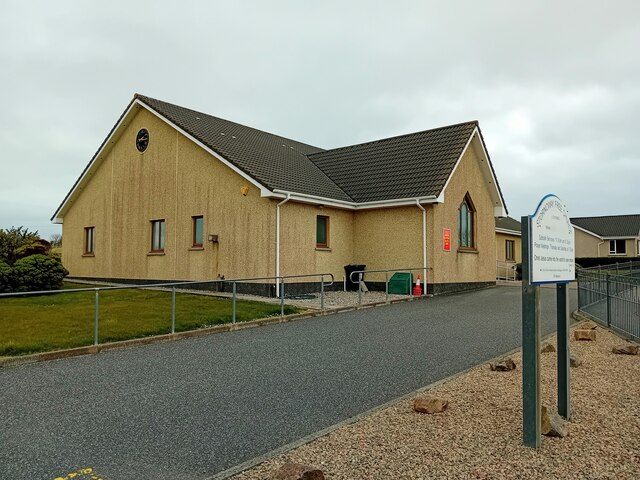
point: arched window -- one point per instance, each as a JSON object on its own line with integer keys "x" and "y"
{"x": 466, "y": 221}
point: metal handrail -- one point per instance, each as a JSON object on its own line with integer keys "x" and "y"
{"x": 173, "y": 285}
{"x": 386, "y": 280}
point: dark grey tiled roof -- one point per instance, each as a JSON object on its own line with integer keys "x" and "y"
{"x": 610, "y": 226}
{"x": 274, "y": 161}
{"x": 508, "y": 223}
{"x": 413, "y": 165}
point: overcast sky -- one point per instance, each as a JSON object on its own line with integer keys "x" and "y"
{"x": 554, "y": 85}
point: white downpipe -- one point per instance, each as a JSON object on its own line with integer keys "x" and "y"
{"x": 599, "y": 248}
{"x": 424, "y": 245}
{"x": 278, "y": 242}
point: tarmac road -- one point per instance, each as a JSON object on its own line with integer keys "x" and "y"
{"x": 193, "y": 408}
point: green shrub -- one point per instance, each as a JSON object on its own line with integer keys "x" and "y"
{"x": 37, "y": 272}
{"x": 12, "y": 239}
{"x": 6, "y": 274}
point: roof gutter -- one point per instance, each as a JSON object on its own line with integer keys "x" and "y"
{"x": 329, "y": 202}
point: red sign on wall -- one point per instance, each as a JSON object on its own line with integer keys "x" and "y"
{"x": 447, "y": 239}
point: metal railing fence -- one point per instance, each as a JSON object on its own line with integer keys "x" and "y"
{"x": 505, "y": 271}
{"x": 612, "y": 299}
{"x": 386, "y": 272}
{"x": 326, "y": 280}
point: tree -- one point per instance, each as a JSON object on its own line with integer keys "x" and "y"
{"x": 12, "y": 239}
{"x": 37, "y": 272}
{"x": 56, "y": 240}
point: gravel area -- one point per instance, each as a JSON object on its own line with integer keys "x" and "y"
{"x": 479, "y": 436}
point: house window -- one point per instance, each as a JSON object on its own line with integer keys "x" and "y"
{"x": 157, "y": 236}
{"x": 617, "y": 247}
{"x": 198, "y": 231}
{"x": 510, "y": 247}
{"x": 322, "y": 231}
{"x": 89, "y": 240}
{"x": 466, "y": 214}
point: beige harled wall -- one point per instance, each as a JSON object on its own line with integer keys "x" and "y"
{"x": 388, "y": 238}
{"x": 587, "y": 245}
{"x": 173, "y": 180}
{"x": 456, "y": 266}
{"x": 501, "y": 247}
{"x": 298, "y": 252}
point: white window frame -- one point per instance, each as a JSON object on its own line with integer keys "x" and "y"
{"x": 613, "y": 246}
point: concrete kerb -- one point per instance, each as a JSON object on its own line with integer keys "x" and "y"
{"x": 321, "y": 433}
{"x": 229, "y": 327}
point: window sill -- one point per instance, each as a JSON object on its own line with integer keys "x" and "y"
{"x": 155, "y": 254}
{"x": 467, "y": 250}
{"x": 88, "y": 254}
{"x": 196, "y": 249}
{"x": 323, "y": 249}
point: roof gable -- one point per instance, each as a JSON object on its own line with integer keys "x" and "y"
{"x": 610, "y": 226}
{"x": 408, "y": 166}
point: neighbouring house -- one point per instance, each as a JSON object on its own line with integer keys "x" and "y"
{"x": 607, "y": 236}
{"x": 175, "y": 194}
{"x": 508, "y": 247}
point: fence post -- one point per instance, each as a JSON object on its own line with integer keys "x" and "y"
{"x": 321, "y": 292}
{"x": 386, "y": 287}
{"x": 608, "y": 303}
{"x": 282, "y": 296}
{"x": 360, "y": 288}
{"x": 173, "y": 309}
{"x": 95, "y": 319}
{"x": 233, "y": 303}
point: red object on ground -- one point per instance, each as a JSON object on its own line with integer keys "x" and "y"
{"x": 417, "y": 290}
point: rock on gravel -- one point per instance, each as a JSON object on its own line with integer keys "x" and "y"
{"x": 574, "y": 360}
{"x": 551, "y": 424}
{"x": 585, "y": 335}
{"x": 297, "y": 471}
{"x": 626, "y": 350}
{"x": 504, "y": 365}
{"x": 430, "y": 405}
{"x": 548, "y": 348}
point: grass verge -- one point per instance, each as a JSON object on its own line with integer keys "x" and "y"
{"x": 51, "y": 322}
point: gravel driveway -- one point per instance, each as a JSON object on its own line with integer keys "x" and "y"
{"x": 192, "y": 408}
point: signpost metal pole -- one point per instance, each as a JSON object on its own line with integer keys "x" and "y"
{"x": 530, "y": 347}
{"x": 562, "y": 307}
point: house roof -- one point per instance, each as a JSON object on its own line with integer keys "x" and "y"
{"x": 508, "y": 223}
{"x": 610, "y": 226}
{"x": 388, "y": 172}
{"x": 276, "y": 162}
{"x": 413, "y": 165}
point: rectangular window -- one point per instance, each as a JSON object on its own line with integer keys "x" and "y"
{"x": 89, "y": 240}
{"x": 510, "y": 247}
{"x": 198, "y": 231}
{"x": 617, "y": 247}
{"x": 157, "y": 236}
{"x": 322, "y": 231}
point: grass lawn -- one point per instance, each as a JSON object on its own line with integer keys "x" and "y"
{"x": 51, "y": 322}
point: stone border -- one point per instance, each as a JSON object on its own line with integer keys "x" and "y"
{"x": 201, "y": 332}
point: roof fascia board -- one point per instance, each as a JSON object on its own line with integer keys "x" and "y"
{"x": 508, "y": 232}
{"x": 264, "y": 191}
{"x": 306, "y": 198}
{"x": 619, "y": 238}
{"x": 499, "y": 210}
{"x": 587, "y": 231}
